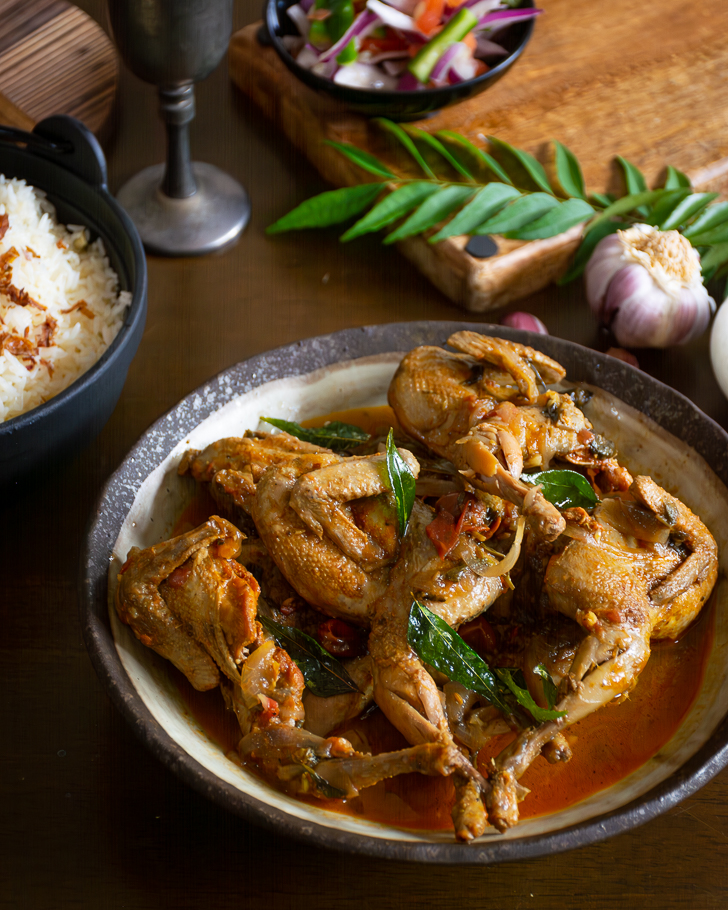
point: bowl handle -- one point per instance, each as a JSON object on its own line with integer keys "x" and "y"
{"x": 66, "y": 141}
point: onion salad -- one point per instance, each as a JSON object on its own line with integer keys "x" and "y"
{"x": 401, "y": 45}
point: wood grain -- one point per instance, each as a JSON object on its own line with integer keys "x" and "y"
{"x": 54, "y": 59}
{"x": 638, "y": 80}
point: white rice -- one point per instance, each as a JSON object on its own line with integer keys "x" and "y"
{"x": 45, "y": 269}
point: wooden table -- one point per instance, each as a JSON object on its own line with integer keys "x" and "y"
{"x": 89, "y": 818}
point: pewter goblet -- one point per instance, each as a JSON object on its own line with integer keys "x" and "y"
{"x": 180, "y": 208}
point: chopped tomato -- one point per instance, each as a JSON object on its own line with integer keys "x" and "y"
{"x": 429, "y": 16}
{"x": 269, "y": 710}
{"x": 383, "y": 45}
{"x": 339, "y": 638}
{"x": 458, "y": 513}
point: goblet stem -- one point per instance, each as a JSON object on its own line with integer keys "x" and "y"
{"x": 177, "y": 107}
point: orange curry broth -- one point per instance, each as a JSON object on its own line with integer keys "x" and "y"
{"x": 607, "y": 746}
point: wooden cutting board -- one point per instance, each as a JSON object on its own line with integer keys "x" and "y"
{"x": 54, "y": 59}
{"x": 643, "y": 80}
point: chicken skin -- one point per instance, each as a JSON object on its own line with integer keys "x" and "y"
{"x": 190, "y": 601}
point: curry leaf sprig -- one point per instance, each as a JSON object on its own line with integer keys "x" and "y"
{"x": 324, "y": 675}
{"x": 441, "y": 647}
{"x": 461, "y": 189}
{"x": 334, "y": 435}
{"x": 401, "y": 482}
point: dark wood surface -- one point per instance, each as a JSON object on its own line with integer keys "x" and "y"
{"x": 89, "y": 819}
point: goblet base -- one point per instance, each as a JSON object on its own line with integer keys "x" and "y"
{"x": 210, "y": 220}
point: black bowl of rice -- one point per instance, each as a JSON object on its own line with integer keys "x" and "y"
{"x": 73, "y": 294}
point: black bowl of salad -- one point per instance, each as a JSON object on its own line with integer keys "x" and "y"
{"x": 401, "y": 59}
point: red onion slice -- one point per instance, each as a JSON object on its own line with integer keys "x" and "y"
{"x": 361, "y": 26}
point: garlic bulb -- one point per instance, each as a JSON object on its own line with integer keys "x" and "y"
{"x": 645, "y": 284}
{"x": 719, "y": 347}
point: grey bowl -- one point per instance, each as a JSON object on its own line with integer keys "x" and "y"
{"x": 64, "y": 159}
{"x": 667, "y": 408}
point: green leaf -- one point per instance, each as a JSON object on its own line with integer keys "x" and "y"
{"x": 514, "y": 681}
{"x": 567, "y": 214}
{"x": 675, "y": 179}
{"x": 568, "y": 171}
{"x": 712, "y": 217}
{"x": 441, "y": 647}
{"x": 365, "y": 160}
{"x": 432, "y": 211}
{"x": 564, "y": 489}
{"x": 588, "y": 244}
{"x": 328, "y": 208}
{"x": 715, "y": 257}
{"x": 634, "y": 180}
{"x": 476, "y": 160}
{"x": 336, "y": 435}
{"x": 324, "y": 675}
{"x": 401, "y": 482}
{"x": 518, "y": 214}
{"x": 485, "y": 203}
{"x": 628, "y": 204}
{"x": 603, "y": 199}
{"x": 665, "y": 206}
{"x": 687, "y": 209}
{"x": 322, "y": 785}
{"x": 549, "y": 689}
{"x": 533, "y": 168}
{"x": 717, "y": 234}
{"x": 399, "y": 134}
{"x": 392, "y": 207}
{"x": 437, "y": 146}
{"x": 435, "y": 643}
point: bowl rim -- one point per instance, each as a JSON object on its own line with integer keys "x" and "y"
{"x": 390, "y": 96}
{"x": 299, "y": 358}
{"x": 135, "y": 311}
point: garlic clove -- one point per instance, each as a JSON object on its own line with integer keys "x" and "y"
{"x": 525, "y": 321}
{"x": 604, "y": 262}
{"x": 719, "y": 347}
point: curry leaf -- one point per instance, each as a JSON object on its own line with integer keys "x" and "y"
{"x": 432, "y": 211}
{"x": 399, "y": 134}
{"x": 686, "y": 209}
{"x": 532, "y": 167}
{"x": 392, "y": 207}
{"x": 327, "y": 208}
{"x": 715, "y": 257}
{"x": 324, "y": 675}
{"x": 365, "y": 160}
{"x": 518, "y": 214}
{"x": 513, "y": 680}
{"x": 561, "y": 218}
{"x": 486, "y": 202}
{"x": 401, "y": 482}
{"x": 634, "y": 180}
{"x": 476, "y": 159}
{"x": 568, "y": 171}
{"x": 717, "y": 234}
{"x": 437, "y": 146}
{"x": 627, "y": 204}
{"x": 564, "y": 489}
{"x": 713, "y": 216}
{"x": 322, "y": 785}
{"x": 335, "y": 435}
{"x": 441, "y": 647}
{"x": 675, "y": 178}
{"x": 549, "y": 689}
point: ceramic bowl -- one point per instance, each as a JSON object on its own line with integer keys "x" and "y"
{"x": 64, "y": 159}
{"x": 391, "y": 104}
{"x": 656, "y": 429}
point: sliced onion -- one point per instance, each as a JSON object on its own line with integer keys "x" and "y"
{"x": 508, "y": 561}
{"x": 463, "y": 65}
{"x": 361, "y": 26}
{"x": 441, "y": 68}
{"x": 391, "y": 16}
{"x": 364, "y": 75}
{"x": 404, "y": 6}
{"x": 297, "y": 15}
{"x": 409, "y": 83}
{"x": 394, "y": 67}
{"x": 486, "y": 48}
{"x": 308, "y": 57}
{"x": 306, "y": 5}
{"x": 502, "y": 17}
{"x": 632, "y": 520}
